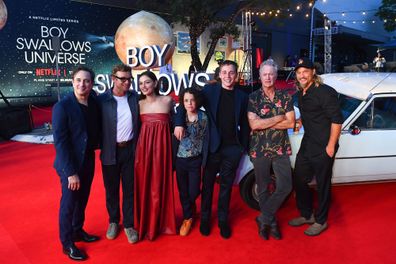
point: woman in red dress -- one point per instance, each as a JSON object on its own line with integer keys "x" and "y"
{"x": 154, "y": 201}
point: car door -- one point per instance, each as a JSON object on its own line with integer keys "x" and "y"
{"x": 368, "y": 143}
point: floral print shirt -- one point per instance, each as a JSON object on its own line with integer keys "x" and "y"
{"x": 269, "y": 142}
{"x": 192, "y": 143}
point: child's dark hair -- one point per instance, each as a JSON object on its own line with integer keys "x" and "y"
{"x": 195, "y": 93}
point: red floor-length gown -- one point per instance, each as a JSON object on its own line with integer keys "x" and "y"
{"x": 154, "y": 203}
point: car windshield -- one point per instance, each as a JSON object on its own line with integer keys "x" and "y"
{"x": 348, "y": 105}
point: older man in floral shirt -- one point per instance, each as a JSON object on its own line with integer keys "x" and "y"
{"x": 270, "y": 114}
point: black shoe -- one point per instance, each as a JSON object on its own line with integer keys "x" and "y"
{"x": 204, "y": 228}
{"x": 225, "y": 230}
{"x": 74, "y": 253}
{"x": 274, "y": 232}
{"x": 84, "y": 236}
{"x": 263, "y": 229}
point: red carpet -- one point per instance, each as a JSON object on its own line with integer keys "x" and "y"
{"x": 361, "y": 224}
{"x": 41, "y": 115}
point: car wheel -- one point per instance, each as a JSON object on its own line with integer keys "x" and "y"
{"x": 248, "y": 190}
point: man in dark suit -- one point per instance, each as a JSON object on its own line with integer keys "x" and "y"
{"x": 76, "y": 126}
{"x": 229, "y": 129}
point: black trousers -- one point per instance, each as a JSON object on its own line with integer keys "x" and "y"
{"x": 225, "y": 162}
{"x": 188, "y": 175}
{"x": 307, "y": 167}
{"x": 122, "y": 171}
{"x": 73, "y": 203}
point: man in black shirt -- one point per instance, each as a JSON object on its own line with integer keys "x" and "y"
{"x": 228, "y": 139}
{"x": 76, "y": 127}
{"x": 322, "y": 119}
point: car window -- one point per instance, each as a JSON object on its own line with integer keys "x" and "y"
{"x": 348, "y": 105}
{"x": 381, "y": 113}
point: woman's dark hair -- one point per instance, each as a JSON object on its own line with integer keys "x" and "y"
{"x": 152, "y": 76}
{"x": 195, "y": 93}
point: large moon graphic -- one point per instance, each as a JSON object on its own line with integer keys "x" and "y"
{"x": 3, "y": 14}
{"x": 143, "y": 29}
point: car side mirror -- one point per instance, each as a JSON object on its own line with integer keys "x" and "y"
{"x": 355, "y": 130}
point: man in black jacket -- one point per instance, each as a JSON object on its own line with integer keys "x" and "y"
{"x": 228, "y": 139}
{"x": 120, "y": 126}
{"x": 76, "y": 126}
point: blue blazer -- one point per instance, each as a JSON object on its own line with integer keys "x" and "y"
{"x": 211, "y": 97}
{"x": 70, "y": 135}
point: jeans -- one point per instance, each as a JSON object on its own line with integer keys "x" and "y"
{"x": 188, "y": 174}
{"x": 112, "y": 175}
{"x": 270, "y": 203}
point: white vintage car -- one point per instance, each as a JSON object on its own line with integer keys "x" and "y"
{"x": 368, "y": 138}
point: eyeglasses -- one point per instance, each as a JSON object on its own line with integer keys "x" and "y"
{"x": 123, "y": 79}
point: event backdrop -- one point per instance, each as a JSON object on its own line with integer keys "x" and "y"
{"x": 28, "y": 64}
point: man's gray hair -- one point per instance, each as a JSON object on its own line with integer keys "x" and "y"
{"x": 271, "y": 63}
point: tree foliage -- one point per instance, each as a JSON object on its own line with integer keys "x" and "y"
{"x": 218, "y": 16}
{"x": 387, "y": 12}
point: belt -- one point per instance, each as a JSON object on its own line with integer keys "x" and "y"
{"x": 124, "y": 144}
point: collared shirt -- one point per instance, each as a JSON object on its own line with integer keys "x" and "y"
{"x": 269, "y": 142}
{"x": 319, "y": 108}
{"x": 192, "y": 143}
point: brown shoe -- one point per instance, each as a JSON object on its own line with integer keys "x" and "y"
{"x": 299, "y": 221}
{"x": 315, "y": 229}
{"x": 186, "y": 227}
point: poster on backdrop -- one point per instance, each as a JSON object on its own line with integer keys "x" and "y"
{"x": 29, "y": 54}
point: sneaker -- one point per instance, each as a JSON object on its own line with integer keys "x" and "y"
{"x": 131, "y": 234}
{"x": 299, "y": 221}
{"x": 315, "y": 229}
{"x": 186, "y": 227}
{"x": 112, "y": 231}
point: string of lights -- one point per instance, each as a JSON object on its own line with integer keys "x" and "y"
{"x": 367, "y": 16}
{"x": 290, "y": 12}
